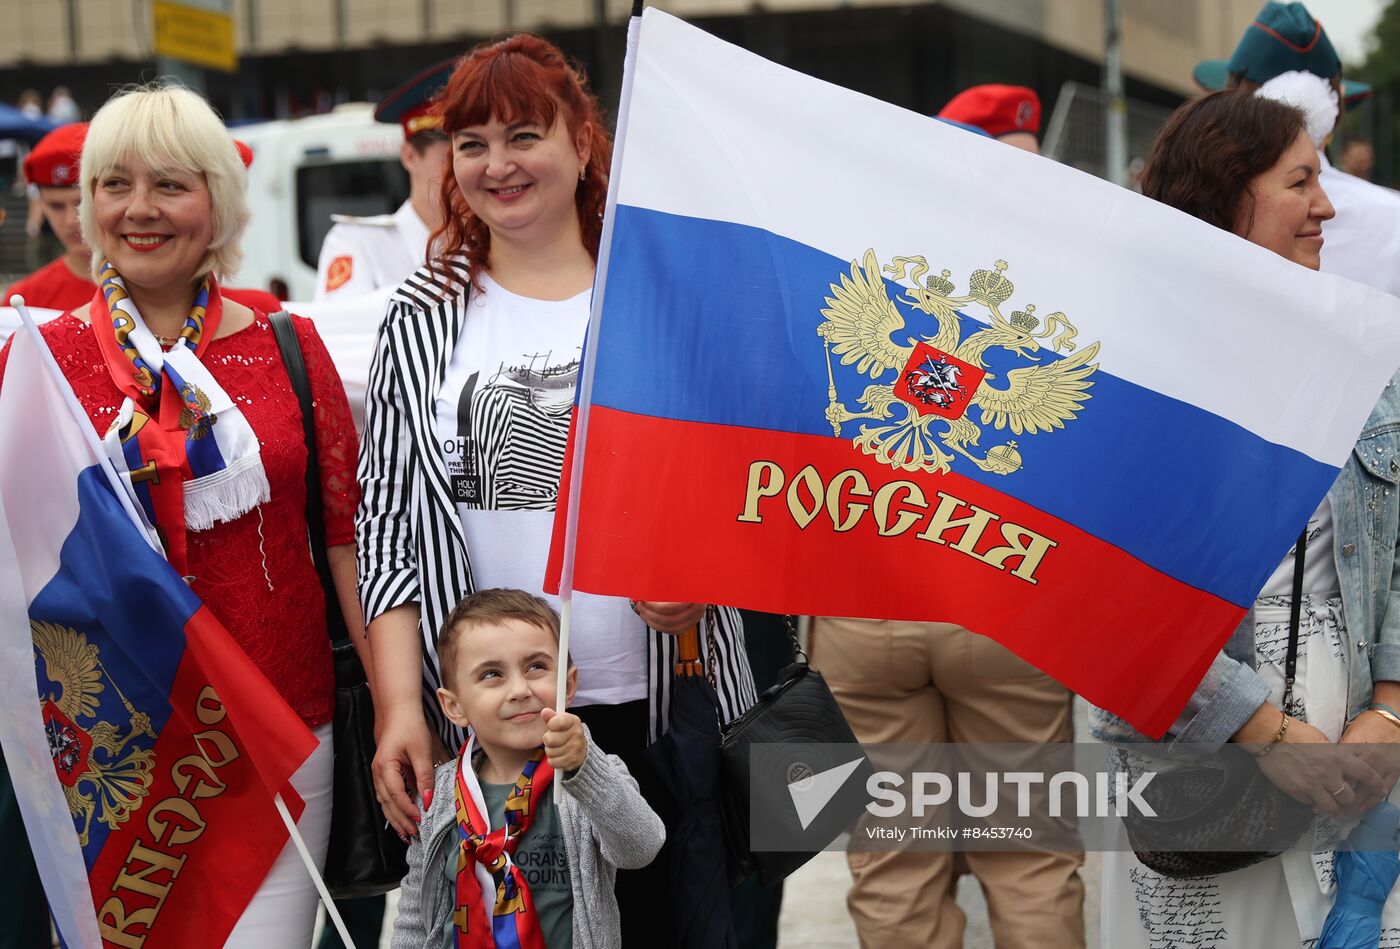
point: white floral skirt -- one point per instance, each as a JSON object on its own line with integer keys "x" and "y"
{"x": 1281, "y": 902}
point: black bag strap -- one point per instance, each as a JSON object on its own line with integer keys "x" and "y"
{"x": 790, "y": 623}
{"x": 1295, "y": 611}
{"x": 315, "y": 512}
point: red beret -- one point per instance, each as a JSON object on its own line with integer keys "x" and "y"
{"x": 997, "y": 110}
{"x": 53, "y": 163}
{"x": 244, "y": 152}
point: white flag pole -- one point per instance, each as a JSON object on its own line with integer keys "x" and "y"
{"x": 565, "y": 608}
{"x": 331, "y": 912}
{"x": 590, "y": 362}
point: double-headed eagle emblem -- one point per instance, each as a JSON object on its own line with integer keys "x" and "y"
{"x": 195, "y": 418}
{"x": 939, "y": 378}
{"x": 104, "y": 776}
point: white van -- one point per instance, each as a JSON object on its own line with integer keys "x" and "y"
{"x": 305, "y": 170}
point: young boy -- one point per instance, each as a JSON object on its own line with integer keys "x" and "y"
{"x": 496, "y": 863}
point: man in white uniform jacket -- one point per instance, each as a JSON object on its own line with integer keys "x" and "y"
{"x": 363, "y": 254}
{"x": 1363, "y": 241}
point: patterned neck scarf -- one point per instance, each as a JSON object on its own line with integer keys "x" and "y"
{"x": 485, "y": 868}
{"x": 182, "y": 444}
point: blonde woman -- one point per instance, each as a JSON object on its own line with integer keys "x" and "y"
{"x": 163, "y": 207}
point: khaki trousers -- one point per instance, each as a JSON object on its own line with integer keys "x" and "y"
{"x": 933, "y": 683}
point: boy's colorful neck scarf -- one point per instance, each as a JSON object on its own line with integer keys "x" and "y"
{"x": 189, "y": 454}
{"x": 485, "y": 868}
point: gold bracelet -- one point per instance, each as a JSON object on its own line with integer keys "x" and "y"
{"x": 1282, "y": 730}
{"x": 1386, "y": 714}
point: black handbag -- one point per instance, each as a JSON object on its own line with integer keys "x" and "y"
{"x": 804, "y": 732}
{"x": 1233, "y": 801}
{"x": 366, "y": 856}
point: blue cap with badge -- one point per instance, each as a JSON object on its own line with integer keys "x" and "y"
{"x": 411, "y": 104}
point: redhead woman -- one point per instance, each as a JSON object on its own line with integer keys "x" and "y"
{"x": 1245, "y": 164}
{"x": 466, "y": 421}
{"x": 163, "y": 207}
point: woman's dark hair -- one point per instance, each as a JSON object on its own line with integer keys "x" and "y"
{"x": 1213, "y": 147}
{"x": 520, "y": 78}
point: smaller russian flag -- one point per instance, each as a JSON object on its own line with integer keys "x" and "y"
{"x": 145, "y": 747}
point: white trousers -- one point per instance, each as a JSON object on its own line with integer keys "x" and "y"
{"x": 282, "y": 913}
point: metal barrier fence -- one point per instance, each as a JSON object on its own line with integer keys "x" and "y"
{"x": 1075, "y": 134}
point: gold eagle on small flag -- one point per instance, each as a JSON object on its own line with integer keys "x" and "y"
{"x": 939, "y": 378}
{"x": 102, "y": 774}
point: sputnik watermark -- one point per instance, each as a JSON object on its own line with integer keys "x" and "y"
{"x": 1111, "y": 796}
{"x": 995, "y": 796}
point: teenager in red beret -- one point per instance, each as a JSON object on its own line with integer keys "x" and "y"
{"x": 52, "y": 166}
{"x": 1008, "y": 113}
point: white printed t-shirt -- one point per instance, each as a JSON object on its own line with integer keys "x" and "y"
{"x": 502, "y": 423}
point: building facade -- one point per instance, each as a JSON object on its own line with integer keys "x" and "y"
{"x": 300, "y": 56}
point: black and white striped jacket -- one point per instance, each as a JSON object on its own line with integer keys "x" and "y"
{"x": 408, "y": 539}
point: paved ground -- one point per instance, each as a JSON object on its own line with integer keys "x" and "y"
{"x": 815, "y": 917}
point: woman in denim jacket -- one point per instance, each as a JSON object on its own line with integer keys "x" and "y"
{"x": 1246, "y": 164}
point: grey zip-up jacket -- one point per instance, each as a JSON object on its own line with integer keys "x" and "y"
{"x": 605, "y": 822}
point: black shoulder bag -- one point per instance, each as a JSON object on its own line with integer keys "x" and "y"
{"x": 801, "y": 734}
{"x": 1232, "y": 802}
{"x": 366, "y": 856}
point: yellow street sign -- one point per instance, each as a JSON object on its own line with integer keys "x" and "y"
{"x": 196, "y": 36}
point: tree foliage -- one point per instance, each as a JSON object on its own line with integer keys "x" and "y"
{"x": 1382, "y": 63}
{"x": 1379, "y": 118}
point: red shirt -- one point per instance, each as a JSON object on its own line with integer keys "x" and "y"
{"x": 52, "y": 287}
{"x": 255, "y": 573}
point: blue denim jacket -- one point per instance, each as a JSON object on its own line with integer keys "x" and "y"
{"x": 1366, "y": 516}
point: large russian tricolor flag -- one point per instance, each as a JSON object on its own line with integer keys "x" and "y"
{"x": 848, "y": 360}
{"x": 147, "y": 759}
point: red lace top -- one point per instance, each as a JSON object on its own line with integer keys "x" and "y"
{"x": 255, "y": 573}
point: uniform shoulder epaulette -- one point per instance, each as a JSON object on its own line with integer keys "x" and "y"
{"x": 372, "y": 220}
